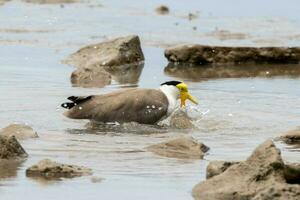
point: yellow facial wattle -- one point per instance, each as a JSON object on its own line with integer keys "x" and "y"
{"x": 184, "y": 94}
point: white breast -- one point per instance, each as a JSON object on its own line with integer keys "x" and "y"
{"x": 172, "y": 94}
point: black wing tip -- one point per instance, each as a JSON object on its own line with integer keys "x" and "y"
{"x": 75, "y": 101}
{"x": 68, "y": 105}
{"x": 171, "y": 83}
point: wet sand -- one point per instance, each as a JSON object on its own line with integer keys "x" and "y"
{"x": 234, "y": 115}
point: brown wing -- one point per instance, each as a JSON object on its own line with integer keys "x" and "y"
{"x": 140, "y": 105}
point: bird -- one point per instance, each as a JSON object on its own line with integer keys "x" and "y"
{"x": 144, "y": 106}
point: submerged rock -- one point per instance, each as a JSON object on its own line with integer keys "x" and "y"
{"x": 50, "y": 169}
{"x": 261, "y": 172}
{"x": 202, "y": 54}
{"x": 291, "y": 137}
{"x": 162, "y": 10}
{"x": 183, "y": 147}
{"x": 116, "y": 52}
{"x": 10, "y": 148}
{"x": 90, "y": 77}
{"x": 20, "y": 131}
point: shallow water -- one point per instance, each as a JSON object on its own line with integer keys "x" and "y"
{"x": 234, "y": 116}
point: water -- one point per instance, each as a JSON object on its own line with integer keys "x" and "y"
{"x": 235, "y": 114}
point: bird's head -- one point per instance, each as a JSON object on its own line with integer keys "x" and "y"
{"x": 180, "y": 90}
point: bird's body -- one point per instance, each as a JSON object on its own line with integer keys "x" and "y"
{"x": 146, "y": 106}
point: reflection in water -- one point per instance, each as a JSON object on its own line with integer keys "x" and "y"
{"x": 125, "y": 74}
{"x": 90, "y": 77}
{"x": 204, "y": 72}
{"x": 9, "y": 168}
{"x": 119, "y": 129}
{"x": 50, "y": 1}
{"x": 46, "y": 181}
{"x": 101, "y": 76}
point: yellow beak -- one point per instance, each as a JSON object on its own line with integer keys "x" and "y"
{"x": 184, "y": 96}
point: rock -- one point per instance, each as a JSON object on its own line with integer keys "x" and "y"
{"x": 20, "y": 131}
{"x": 183, "y": 147}
{"x": 279, "y": 192}
{"x": 121, "y": 59}
{"x": 180, "y": 120}
{"x": 10, "y": 148}
{"x": 244, "y": 180}
{"x": 116, "y": 52}
{"x": 50, "y": 169}
{"x": 162, "y": 10}
{"x": 291, "y": 137}
{"x": 202, "y": 54}
{"x": 217, "y": 167}
{"x": 88, "y": 77}
{"x": 292, "y": 173}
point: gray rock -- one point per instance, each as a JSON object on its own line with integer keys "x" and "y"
{"x": 10, "y": 148}
{"x": 245, "y": 179}
{"x": 121, "y": 59}
{"x": 202, "y": 54}
{"x": 20, "y": 131}
{"x": 52, "y": 170}
{"x": 116, "y": 52}
{"x": 183, "y": 147}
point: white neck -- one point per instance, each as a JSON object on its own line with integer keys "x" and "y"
{"x": 172, "y": 94}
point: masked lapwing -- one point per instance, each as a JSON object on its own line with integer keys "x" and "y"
{"x": 146, "y": 106}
